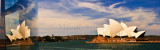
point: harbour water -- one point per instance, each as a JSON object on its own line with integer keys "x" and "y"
{"x": 81, "y": 45}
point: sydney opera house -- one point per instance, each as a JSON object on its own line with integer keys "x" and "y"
{"x": 20, "y": 36}
{"x": 22, "y": 31}
{"x": 119, "y": 29}
{"x": 119, "y": 33}
{"x": 13, "y": 13}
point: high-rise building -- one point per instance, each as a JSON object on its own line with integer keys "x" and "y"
{"x": 14, "y": 12}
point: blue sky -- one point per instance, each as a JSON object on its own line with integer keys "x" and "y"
{"x": 82, "y": 17}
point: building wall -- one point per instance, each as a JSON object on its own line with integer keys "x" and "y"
{"x": 9, "y": 3}
{"x": 15, "y": 12}
{"x": 11, "y": 20}
{"x": 2, "y": 20}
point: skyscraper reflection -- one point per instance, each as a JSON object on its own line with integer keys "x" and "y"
{"x": 13, "y": 12}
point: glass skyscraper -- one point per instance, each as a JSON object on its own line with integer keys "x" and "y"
{"x": 13, "y": 12}
{"x": 12, "y": 19}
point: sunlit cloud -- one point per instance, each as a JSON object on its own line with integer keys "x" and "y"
{"x": 141, "y": 17}
{"x": 57, "y": 20}
{"x": 59, "y": 13}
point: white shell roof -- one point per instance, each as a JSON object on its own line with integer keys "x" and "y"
{"x": 22, "y": 31}
{"x": 115, "y": 27}
{"x": 119, "y": 29}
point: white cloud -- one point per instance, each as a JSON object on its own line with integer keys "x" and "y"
{"x": 113, "y": 5}
{"x": 26, "y": 10}
{"x": 51, "y": 19}
{"x": 140, "y": 17}
{"x": 92, "y": 6}
{"x": 153, "y": 29}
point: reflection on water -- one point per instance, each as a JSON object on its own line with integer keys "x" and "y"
{"x": 19, "y": 48}
{"x": 119, "y": 46}
{"x": 81, "y": 45}
{"x": 32, "y": 47}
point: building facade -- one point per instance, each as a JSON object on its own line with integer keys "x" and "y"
{"x": 14, "y": 12}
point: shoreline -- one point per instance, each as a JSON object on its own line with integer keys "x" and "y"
{"x": 100, "y": 39}
{"x": 16, "y": 45}
{"x": 126, "y": 42}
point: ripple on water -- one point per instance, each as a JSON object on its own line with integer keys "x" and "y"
{"x": 81, "y": 45}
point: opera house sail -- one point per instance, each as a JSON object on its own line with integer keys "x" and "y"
{"x": 118, "y": 29}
